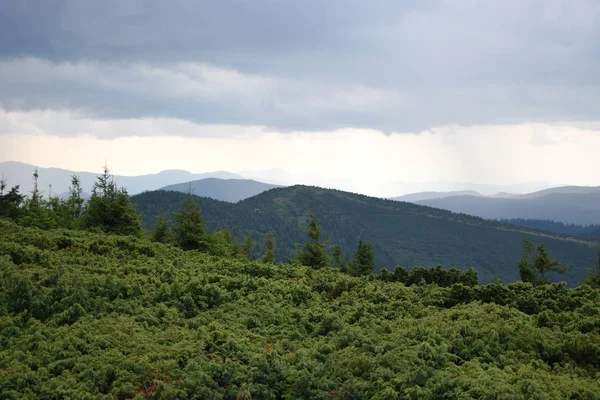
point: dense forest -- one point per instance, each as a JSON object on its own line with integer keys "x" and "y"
{"x": 589, "y": 232}
{"x": 401, "y": 233}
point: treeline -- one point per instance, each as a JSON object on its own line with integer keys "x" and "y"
{"x": 110, "y": 210}
{"x": 583, "y": 231}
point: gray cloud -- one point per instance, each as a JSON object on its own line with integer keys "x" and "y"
{"x": 310, "y": 65}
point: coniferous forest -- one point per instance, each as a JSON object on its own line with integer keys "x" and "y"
{"x": 91, "y": 306}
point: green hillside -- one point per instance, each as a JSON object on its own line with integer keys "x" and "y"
{"x": 402, "y": 233}
{"x": 88, "y": 315}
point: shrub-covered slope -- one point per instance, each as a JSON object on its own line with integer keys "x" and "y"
{"x": 401, "y": 233}
{"x": 86, "y": 315}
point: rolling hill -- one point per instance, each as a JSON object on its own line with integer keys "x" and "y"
{"x": 17, "y": 173}
{"x": 414, "y": 197}
{"x": 402, "y": 233}
{"x": 231, "y": 190}
{"x": 571, "y": 208}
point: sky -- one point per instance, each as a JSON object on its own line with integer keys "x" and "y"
{"x": 352, "y": 94}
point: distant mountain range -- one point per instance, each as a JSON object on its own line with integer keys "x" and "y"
{"x": 17, "y": 173}
{"x": 414, "y": 197}
{"x": 402, "y": 233}
{"x": 568, "y": 204}
{"x": 231, "y": 190}
{"x": 404, "y": 188}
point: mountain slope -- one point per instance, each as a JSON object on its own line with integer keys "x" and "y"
{"x": 402, "y": 233}
{"x": 17, "y": 173}
{"x": 231, "y": 190}
{"x": 93, "y": 316}
{"x": 414, "y": 197}
{"x": 562, "y": 190}
{"x": 570, "y": 208}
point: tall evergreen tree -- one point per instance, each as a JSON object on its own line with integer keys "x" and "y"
{"x": 161, "y": 230}
{"x": 75, "y": 201}
{"x": 246, "y": 248}
{"x": 543, "y": 264}
{"x": 338, "y": 258}
{"x": 110, "y": 209}
{"x": 526, "y": 270}
{"x": 190, "y": 232}
{"x": 363, "y": 262}
{"x": 593, "y": 277}
{"x": 312, "y": 253}
{"x": 269, "y": 256}
{"x": 535, "y": 270}
{"x": 10, "y": 202}
{"x": 38, "y": 212}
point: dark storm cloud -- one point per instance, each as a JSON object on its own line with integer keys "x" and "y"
{"x": 305, "y": 65}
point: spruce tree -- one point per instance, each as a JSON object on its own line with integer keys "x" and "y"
{"x": 161, "y": 230}
{"x": 543, "y": 264}
{"x": 363, "y": 262}
{"x": 190, "y": 232}
{"x": 246, "y": 248}
{"x": 110, "y": 209}
{"x": 269, "y": 256}
{"x": 312, "y": 253}
{"x": 75, "y": 201}
{"x": 593, "y": 277}
{"x": 38, "y": 212}
{"x": 10, "y": 202}
{"x": 338, "y": 258}
{"x": 535, "y": 271}
{"x": 526, "y": 271}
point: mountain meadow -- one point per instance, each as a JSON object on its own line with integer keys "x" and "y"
{"x": 94, "y": 307}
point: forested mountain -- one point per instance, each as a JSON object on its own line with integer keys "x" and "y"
{"x": 231, "y": 190}
{"x": 569, "y": 208}
{"x": 401, "y": 233}
{"x": 402, "y": 188}
{"x": 590, "y": 232}
{"x": 562, "y": 190}
{"x": 414, "y": 197}
{"x": 17, "y": 173}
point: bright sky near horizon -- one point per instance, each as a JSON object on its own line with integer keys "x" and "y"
{"x": 355, "y": 93}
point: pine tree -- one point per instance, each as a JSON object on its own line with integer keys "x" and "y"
{"x": 363, "y": 262}
{"x": 543, "y": 264}
{"x": 535, "y": 271}
{"x": 161, "y": 230}
{"x": 38, "y": 212}
{"x": 10, "y": 203}
{"x": 269, "y": 256}
{"x": 110, "y": 209}
{"x": 526, "y": 271}
{"x": 313, "y": 252}
{"x": 190, "y": 232}
{"x": 593, "y": 277}
{"x": 338, "y": 258}
{"x": 222, "y": 243}
{"x": 246, "y": 248}
{"x": 75, "y": 200}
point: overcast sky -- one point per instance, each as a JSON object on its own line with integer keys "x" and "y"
{"x": 357, "y": 91}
